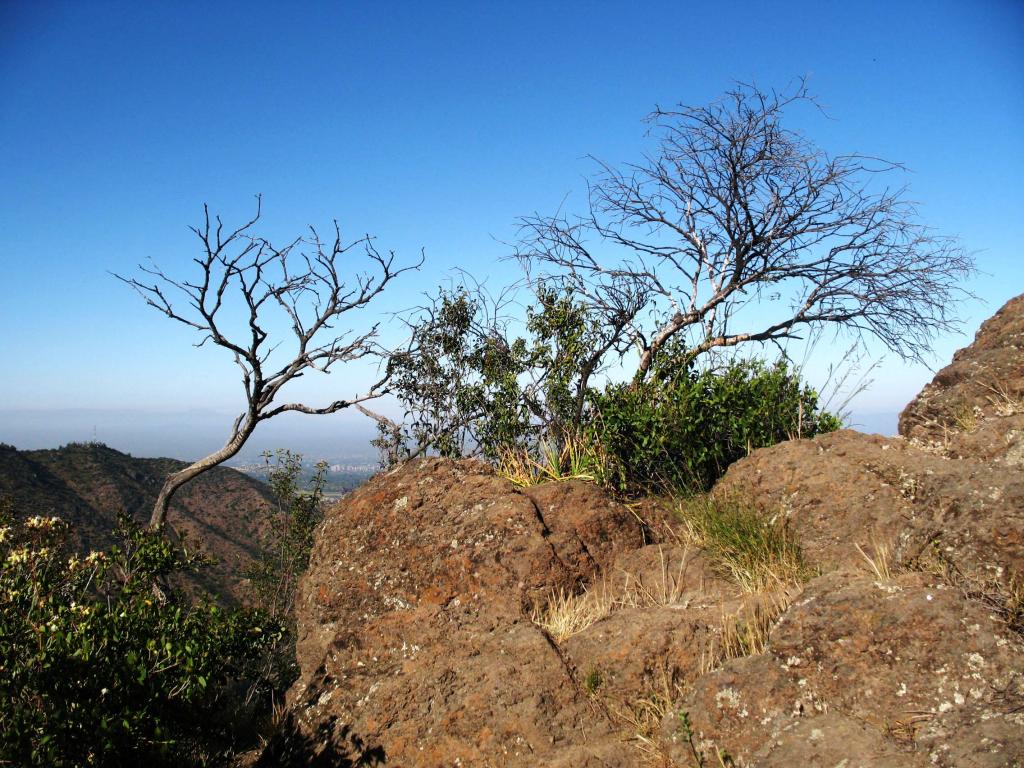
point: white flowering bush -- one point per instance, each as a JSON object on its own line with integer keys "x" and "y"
{"x": 101, "y": 663}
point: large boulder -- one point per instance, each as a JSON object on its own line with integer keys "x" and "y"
{"x": 846, "y": 492}
{"x": 984, "y": 379}
{"x": 872, "y": 672}
{"x": 416, "y": 642}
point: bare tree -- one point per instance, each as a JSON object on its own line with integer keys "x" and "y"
{"x": 307, "y": 280}
{"x": 734, "y": 209}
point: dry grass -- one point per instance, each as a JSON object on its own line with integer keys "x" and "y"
{"x": 745, "y": 633}
{"x": 1005, "y": 400}
{"x": 758, "y": 554}
{"x": 643, "y": 716}
{"x": 882, "y": 561}
{"x": 579, "y": 458}
{"x": 1004, "y": 598}
{"x": 567, "y": 613}
{"x": 965, "y": 417}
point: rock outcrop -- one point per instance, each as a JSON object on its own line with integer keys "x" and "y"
{"x": 427, "y": 635}
{"x": 984, "y": 379}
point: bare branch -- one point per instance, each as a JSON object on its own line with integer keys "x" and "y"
{"x": 242, "y": 275}
{"x": 734, "y": 209}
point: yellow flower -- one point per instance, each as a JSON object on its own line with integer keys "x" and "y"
{"x": 18, "y": 556}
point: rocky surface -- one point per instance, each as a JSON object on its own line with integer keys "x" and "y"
{"x": 426, "y": 640}
{"x": 984, "y": 379}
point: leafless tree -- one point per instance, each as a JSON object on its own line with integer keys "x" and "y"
{"x": 308, "y": 280}
{"x": 733, "y": 210}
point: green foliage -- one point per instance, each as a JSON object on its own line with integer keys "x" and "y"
{"x": 274, "y": 576}
{"x": 680, "y": 429}
{"x": 528, "y": 403}
{"x": 460, "y": 384}
{"x": 101, "y": 663}
{"x": 469, "y": 387}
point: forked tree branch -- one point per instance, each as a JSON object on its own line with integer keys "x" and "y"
{"x": 735, "y": 210}
{"x": 242, "y": 278}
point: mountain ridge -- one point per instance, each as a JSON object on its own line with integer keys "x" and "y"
{"x": 224, "y": 512}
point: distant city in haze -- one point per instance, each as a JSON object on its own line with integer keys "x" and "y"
{"x": 342, "y": 440}
{"x": 189, "y": 435}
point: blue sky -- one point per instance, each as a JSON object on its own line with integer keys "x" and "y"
{"x": 432, "y": 126}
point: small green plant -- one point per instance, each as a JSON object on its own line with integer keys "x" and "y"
{"x": 757, "y": 553}
{"x": 101, "y": 663}
{"x": 580, "y": 458}
{"x": 274, "y": 575}
{"x": 684, "y": 731}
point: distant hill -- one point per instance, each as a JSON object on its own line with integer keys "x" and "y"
{"x": 89, "y": 485}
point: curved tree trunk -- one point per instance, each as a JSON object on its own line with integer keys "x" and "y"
{"x": 177, "y": 479}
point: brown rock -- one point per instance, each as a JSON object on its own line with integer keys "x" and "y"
{"x": 876, "y": 672}
{"x": 846, "y": 489}
{"x": 982, "y": 380}
{"x": 415, "y": 639}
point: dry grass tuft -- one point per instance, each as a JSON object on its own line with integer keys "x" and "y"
{"x": 965, "y": 417}
{"x": 882, "y": 562}
{"x": 566, "y": 613}
{"x": 745, "y": 633}
{"x": 1005, "y": 400}
{"x": 579, "y": 458}
{"x": 643, "y": 716}
{"x": 758, "y": 554}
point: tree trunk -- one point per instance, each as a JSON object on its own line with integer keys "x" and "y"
{"x": 177, "y": 479}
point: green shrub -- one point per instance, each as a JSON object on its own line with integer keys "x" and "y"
{"x": 101, "y": 663}
{"x": 284, "y": 554}
{"x": 681, "y": 430}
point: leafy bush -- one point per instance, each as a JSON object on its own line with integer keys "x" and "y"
{"x": 101, "y": 663}
{"x": 681, "y": 430}
{"x": 468, "y": 386}
{"x": 529, "y": 403}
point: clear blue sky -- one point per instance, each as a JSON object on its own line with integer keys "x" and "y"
{"x": 433, "y": 126}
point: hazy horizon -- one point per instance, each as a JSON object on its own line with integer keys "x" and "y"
{"x": 189, "y": 435}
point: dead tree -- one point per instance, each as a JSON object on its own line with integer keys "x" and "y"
{"x": 733, "y": 210}
{"x": 241, "y": 279}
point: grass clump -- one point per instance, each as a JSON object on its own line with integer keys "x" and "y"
{"x": 757, "y": 553}
{"x": 566, "y": 613}
{"x": 579, "y": 457}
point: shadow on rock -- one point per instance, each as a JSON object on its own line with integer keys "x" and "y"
{"x": 330, "y": 746}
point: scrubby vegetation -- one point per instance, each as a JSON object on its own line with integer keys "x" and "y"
{"x": 758, "y": 554}
{"x": 274, "y": 576}
{"x": 103, "y": 663}
{"x": 531, "y": 404}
